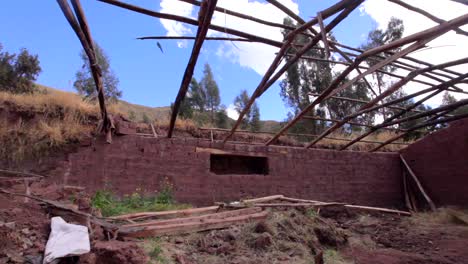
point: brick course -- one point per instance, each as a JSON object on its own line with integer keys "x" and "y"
{"x": 133, "y": 162}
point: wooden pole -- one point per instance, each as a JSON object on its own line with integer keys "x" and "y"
{"x": 421, "y": 39}
{"x": 264, "y": 85}
{"x": 388, "y": 92}
{"x": 324, "y": 35}
{"x": 191, "y": 21}
{"x": 418, "y": 183}
{"x": 82, "y": 31}
{"x": 426, "y": 14}
{"x": 425, "y": 124}
{"x": 206, "y": 12}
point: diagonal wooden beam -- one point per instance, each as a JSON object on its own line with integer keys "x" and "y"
{"x": 240, "y": 15}
{"x": 191, "y": 21}
{"x": 396, "y": 86}
{"x": 324, "y": 35}
{"x": 193, "y": 38}
{"x": 426, "y": 14}
{"x": 432, "y": 121}
{"x": 261, "y": 88}
{"x": 206, "y": 13}
{"x": 388, "y": 122}
{"x": 348, "y": 122}
{"x": 420, "y": 39}
{"x": 83, "y": 33}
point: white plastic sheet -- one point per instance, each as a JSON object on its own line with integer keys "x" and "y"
{"x": 66, "y": 240}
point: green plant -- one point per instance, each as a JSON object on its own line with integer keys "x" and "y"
{"x": 165, "y": 194}
{"x": 110, "y": 204}
{"x": 312, "y": 213}
{"x": 152, "y": 247}
{"x": 333, "y": 256}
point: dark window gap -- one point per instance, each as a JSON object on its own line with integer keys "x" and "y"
{"x": 238, "y": 164}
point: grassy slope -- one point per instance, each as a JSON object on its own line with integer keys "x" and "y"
{"x": 125, "y": 107}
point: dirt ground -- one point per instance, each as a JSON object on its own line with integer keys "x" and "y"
{"x": 287, "y": 236}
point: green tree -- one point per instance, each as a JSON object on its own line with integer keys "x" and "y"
{"x": 240, "y": 103}
{"x": 379, "y": 37}
{"x": 303, "y": 78}
{"x": 222, "y": 119}
{"x": 146, "y": 119}
{"x": 211, "y": 90}
{"x": 251, "y": 119}
{"x": 197, "y": 96}
{"x": 84, "y": 82}
{"x": 447, "y": 99}
{"x": 255, "y": 124}
{"x": 18, "y": 71}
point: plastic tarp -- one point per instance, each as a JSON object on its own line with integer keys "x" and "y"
{"x": 66, "y": 240}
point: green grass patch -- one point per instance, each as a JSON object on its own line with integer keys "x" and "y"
{"x": 333, "y": 256}
{"x": 152, "y": 247}
{"x": 110, "y": 205}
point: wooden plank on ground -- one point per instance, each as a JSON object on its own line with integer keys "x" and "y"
{"x": 289, "y": 199}
{"x": 296, "y": 204}
{"x": 200, "y": 219}
{"x": 166, "y": 214}
{"x": 264, "y": 199}
{"x": 378, "y": 209}
{"x": 209, "y": 224}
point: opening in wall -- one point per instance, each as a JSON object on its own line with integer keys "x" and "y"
{"x": 237, "y": 164}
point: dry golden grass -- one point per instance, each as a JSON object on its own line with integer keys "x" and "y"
{"x": 441, "y": 216}
{"x": 381, "y": 136}
{"x": 42, "y": 122}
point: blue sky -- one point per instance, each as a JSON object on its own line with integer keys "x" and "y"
{"x": 147, "y": 76}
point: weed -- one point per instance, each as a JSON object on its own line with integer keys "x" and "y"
{"x": 109, "y": 204}
{"x": 152, "y": 247}
{"x": 312, "y": 213}
{"x": 333, "y": 256}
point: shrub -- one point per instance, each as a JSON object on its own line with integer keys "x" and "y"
{"x": 18, "y": 71}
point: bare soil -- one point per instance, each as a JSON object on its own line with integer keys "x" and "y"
{"x": 287, "y": 236}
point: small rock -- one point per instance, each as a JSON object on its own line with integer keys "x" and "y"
{"x": 178, "y": 240}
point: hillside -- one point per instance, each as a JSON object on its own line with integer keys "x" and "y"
{"x": 123, "y": 107}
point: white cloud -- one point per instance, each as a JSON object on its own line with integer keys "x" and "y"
{"x": 175, "y": 28}
{"x": 251, "y": 55}
{"x": 448, "y": 47}
{"x": 231, "y": 112}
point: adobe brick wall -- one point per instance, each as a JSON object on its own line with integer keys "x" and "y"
{"x": 132, "y": 162}
{"x": 440, "y": 161}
